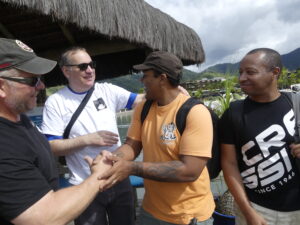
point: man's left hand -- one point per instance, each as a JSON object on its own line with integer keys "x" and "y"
{"x": 295, "y": 150}
{"x": 120, "y": 170}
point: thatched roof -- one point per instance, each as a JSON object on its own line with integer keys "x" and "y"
{"x": 117, "y": 33}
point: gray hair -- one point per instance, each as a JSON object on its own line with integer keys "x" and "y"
{"x": 9, "y": 72}
{"x": 64, "y": 58}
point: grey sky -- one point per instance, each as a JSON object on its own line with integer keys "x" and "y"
{"x": 230, "y": 28}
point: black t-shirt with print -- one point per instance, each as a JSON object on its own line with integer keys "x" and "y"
{"x": 266, "y": 165}
{"x": 27, "y": 168}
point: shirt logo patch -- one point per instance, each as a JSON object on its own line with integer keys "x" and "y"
{"x": 168, "y": 131}
{"x": 100, "y": 104}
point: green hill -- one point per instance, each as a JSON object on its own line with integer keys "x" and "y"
{"x": 132, "y": 82}
{"x": 290, "y": 61}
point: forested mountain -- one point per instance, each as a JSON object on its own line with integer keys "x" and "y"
{"x": 291, "y": 61}
{"x": 132, "y": 82}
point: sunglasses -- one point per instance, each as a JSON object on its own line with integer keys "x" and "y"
{"x": 84, "y": 66}
{"x": 30, "y": 81}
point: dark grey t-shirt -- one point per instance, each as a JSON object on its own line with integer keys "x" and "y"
{"x": 27, "y": 168}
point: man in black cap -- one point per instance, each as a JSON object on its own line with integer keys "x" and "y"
{"x": 177, "y": 186}
{"x": 28, "y": 174}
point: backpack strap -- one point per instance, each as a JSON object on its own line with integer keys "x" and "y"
{"x": 296, "y": 108}
{"x": 294, "y": 101}
{"x": 183, "y": 112}
{"x": 180, "y": 116}
{"x": 145, "y": 110}
{"x": 213, "y": 164}
{"x": 236, "y": 115}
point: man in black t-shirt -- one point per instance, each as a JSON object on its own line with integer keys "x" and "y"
{"x": 257, "y": 146}
{"x": 28, "y": 176}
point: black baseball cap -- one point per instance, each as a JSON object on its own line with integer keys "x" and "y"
{"x": 164, "y": 62}
{"x": 16, "y": 54}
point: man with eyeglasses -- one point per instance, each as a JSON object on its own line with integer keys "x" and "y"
{"x": 28, "y": 175}
{"x": 94, "y": 130}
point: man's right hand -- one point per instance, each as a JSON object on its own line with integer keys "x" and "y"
{"x": 101, "y": 138}
{"x": 257, "y": 220}
{"x": 120, "y": 170}
{"x": 254, "y": 218}
{"x": 100, "y": 164}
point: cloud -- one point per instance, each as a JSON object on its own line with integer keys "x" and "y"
{"x": 288, "y": 10}
{"x": 229, "y": 28}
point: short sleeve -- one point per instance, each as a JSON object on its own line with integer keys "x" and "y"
{"x": 121, "y": 96}
{"x": 197, "y": 137}
{"x": 134, "y": 130}
{"x": 53, "y": 122}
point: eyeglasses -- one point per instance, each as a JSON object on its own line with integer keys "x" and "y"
{"x": 84, "y": 66}
{"x": 31, "y": 81}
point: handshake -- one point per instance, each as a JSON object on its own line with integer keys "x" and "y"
{"x": 109, "y": 169}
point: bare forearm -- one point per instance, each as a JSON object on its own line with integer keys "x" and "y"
{"x": 61, "y": 206}
{"x": 172, "y": 171}
{"x": 130, "y": 150}
{"x": 236, "y": 187}
{"x": 99, "y": 138}
{"x": 63, "y": 147}
{"x": 70, "y": 203}
{"x": 233, "y": 177}
{"x": 125, "y": 152}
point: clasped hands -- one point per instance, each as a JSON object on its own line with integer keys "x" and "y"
{"x": 110, "y": 169}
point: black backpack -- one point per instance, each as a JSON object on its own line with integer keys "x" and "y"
{"x": 213, "y": 165}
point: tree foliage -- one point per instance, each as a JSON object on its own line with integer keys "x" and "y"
{"x": 288, "y": 78}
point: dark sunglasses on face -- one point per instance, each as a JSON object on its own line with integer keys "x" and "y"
{"x": 84, "y": 66}
{"x": 31, "y": 81}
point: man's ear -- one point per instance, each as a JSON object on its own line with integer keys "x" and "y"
{"x": 2, "y": 88}
{"x": 276, "y": 71}
{"x": 66, "y": 71}
{"x": 163, "y": 77}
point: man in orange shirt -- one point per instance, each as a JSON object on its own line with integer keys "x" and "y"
{"x": 177, "y": 186}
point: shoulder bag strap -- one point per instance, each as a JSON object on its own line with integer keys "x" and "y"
{"x": 296, "y": 108}
{"x": 77, "y": 113}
